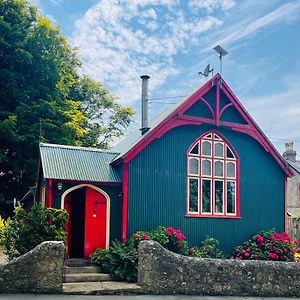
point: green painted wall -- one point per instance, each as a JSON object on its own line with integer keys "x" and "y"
{"x": 157, "y": 189}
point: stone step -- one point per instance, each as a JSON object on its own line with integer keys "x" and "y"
{"x": 77, "y": 262}
{"x": 84, "y": 269}
{"x": 102, "y": 288}
{"x": 87, "y": 277}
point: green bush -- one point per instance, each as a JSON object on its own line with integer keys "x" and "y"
{"x": 170, "y": 238}
{"x": 268, "y": 245}
{"x": 25, "y": 230}
{"x": 99, "y": 257}
{"x": 2, "y": 226}
{"x": 122, "y": 258}
{"x": 207, "y": 249}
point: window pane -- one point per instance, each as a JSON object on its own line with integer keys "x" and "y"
{"x": 230, "y": 170}
{"x": 208, "y": 136}
{"x": 229, "y": 154}
{"x": 193, "y": 195}
{"x": 217, "y": 137}
{"x": 193, "y": 166}
{"x": 195, "y": 149}
{"x": 206, "y": 167}
{"x": 206, "y": 148}
{"x": 230, "y": 197}
{"x": 206, "y": 196}
{"x": 218, "y": 197}
{"x": 219, "y": 150}
{"x": 218, "y": 168}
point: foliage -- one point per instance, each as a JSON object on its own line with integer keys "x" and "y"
{"x": 268, "y": 245}
{"x": 122, "y": 258}
{"x": 25, "y": 230}
{"x": 207, "y": 249}
{"x": 99, "y": 256}
{"x": 2, "y": 226}
{"x": 170, "y": 238}
{"x": 43, "y": 98}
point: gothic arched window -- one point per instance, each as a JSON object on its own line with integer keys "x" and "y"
{"x": 212, "y": 178}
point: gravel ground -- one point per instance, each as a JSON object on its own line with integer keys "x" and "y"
{"x": 3, "y": 258}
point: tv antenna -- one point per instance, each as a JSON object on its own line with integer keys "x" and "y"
{"x": 222, "y": 52}
{"x": 207, "y": 71}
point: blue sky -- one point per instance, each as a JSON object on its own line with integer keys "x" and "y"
{"x": 172, "y": 40}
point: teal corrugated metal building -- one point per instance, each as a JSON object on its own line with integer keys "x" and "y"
{"x": 204, "y": 166}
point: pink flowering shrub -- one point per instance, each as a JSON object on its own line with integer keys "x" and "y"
{"x": 170, "y": 238}
{"x": 268, "y": 245}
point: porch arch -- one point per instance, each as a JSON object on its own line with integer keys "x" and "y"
{"x": 73, "y": 188}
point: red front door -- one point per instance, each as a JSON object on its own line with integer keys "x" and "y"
{"x": 95, "y": 221}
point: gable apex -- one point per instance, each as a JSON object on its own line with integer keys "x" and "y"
{"x": 218, "y": 98}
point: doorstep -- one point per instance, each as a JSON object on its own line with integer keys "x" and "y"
{"x": 102, "y": 288}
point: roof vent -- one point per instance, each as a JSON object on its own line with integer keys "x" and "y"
{"x": 145, "y": 79}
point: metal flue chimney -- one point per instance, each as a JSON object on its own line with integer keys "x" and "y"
{"x": 145, "y": 127}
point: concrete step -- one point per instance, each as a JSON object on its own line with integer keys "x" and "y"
{"x": 102, "y": 288}
{"x": 84, "y": 269}
{"x": 87, "y": 277}
{"x": 77, "y": 262}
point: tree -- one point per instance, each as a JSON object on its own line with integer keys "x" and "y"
{"x": 106, "y": 119}
{"x": 43, "y": 98}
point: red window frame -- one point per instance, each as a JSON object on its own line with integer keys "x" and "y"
{"x": 213, "y": 178}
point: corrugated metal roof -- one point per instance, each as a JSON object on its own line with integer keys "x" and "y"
{"x": 77, "y": 163}
{"x": 134, "y": 137}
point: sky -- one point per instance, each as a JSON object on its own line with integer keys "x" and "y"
{"x": 172, "y": 40}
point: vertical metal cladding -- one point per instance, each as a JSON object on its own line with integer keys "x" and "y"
{"x": 157, "y": 189}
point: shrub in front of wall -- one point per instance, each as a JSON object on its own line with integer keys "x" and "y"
{"x": 99, "y": 257}
{"x": 207, "y": 249}
{"x": 25, "y": 230}
{"x": 170, "y": 238}
{"x": 123, "y": 260}
{"x": 268, "y": 245}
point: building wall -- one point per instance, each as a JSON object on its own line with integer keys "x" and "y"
{"x": 293, "y": 195}
{"x": 157, "y": 189}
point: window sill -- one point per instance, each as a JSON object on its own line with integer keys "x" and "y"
{"x": 212, "y": 216}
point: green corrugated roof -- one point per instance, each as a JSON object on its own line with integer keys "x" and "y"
{"x": 77, "y": 163}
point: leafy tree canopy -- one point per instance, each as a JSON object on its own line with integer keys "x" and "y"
{"x": 43, "y": 97}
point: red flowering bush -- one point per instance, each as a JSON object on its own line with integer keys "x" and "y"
{"x": 170, "y": 238}
{"x": 268, "y": 245}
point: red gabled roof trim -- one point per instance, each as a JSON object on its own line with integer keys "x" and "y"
{"x": 176, "y": 118}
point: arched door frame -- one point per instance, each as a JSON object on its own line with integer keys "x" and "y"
{"x": 73, "y": 188}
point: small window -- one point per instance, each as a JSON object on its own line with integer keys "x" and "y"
{"x": 212, "y": 178}
{"x": 219, "y": 151}
{"x": 194, "y": 166}
{"x": 230, "y": 169}
{"x": 219, "y": 168}
{"x": 193, "y": 192}
{"x": 195, "y": 149}
{"x": 206, "y": 148}
{"x": 206, "y": 196}
{"x": 206, "y": 167}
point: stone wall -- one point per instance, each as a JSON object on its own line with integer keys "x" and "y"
{"x": 164, "y": 272}
{"x": 38, "y": 271}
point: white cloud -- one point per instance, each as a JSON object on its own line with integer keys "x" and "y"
{"x": 210, "y": 5}
{"x": 116, "y": 47}
{"x": 284, "y": 13}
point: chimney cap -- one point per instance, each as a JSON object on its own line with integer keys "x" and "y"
{"x": 145, "y": 77}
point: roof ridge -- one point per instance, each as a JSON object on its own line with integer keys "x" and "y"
{"x": 77, "y": 148}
